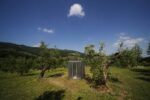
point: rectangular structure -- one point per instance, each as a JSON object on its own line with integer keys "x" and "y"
{"x": 76, "y": 69}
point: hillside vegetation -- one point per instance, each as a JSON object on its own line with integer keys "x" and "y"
{"x": 10, "y": 49}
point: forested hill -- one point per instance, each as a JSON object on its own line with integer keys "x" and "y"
{"x": 11, "y": 49}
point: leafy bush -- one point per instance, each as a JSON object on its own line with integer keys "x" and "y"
{"x": 98, "y": 63}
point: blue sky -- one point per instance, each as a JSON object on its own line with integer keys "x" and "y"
{"x": 72, "y": 24}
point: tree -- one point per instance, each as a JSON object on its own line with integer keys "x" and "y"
{"x": 89, "y": 53}
{"x": 4, "y": 64}
{"x": 29, "y": 64}
{"x": 74, "y": 56}
{"x": 48, "y": 59}
{"x": 148, "y": 49}
{"x": 129, "y": 57}
{"x": 136, "y": 54}
{"x": 11, "y": 64}
{"x": 43, "y": 58}
{"x": 104, "y": 64}
{"x": 98, "y": 62}
{"x": 21, "y": 65}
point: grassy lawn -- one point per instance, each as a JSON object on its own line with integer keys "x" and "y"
{"x": 124, "y": 84}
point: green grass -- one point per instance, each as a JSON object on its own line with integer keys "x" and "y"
{"x": 124, "y": 84}
{"x": 134, "y": 84}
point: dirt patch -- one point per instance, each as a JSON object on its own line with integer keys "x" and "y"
{"x": 63, "y": 82}
{"x": 122, "y": 94}
{"x": 102, "y": 89}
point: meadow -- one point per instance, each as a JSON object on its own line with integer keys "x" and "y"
{"x": 124, "y": 84}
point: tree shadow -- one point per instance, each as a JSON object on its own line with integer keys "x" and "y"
{"x": 110, "y": 78}
{"x": 56, "y": 75}
{"x": 30, "y": 74}
{"x": 100, "y": 85}
{"x": 92, "y": 83}
{"x": 79, "y": 98}
{"x": 88, "y": 79}
{"x": 145, "y": 74}
{"x": 144, "y": 78}
{"x": 52, "y": 95}
{"x": 114, "y": 79}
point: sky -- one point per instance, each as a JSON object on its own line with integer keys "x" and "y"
{"x": 72, "y": 24}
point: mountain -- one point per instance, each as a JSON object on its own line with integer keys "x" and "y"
{"x": 11, "y": 49}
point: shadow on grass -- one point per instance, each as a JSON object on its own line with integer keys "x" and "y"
{"x": 88, "y": 79}
{"x": 56, "y": 75}
{"x": 30, "y": 74}
{"x": 110, "y": 78}
{"x": 144, "y": 78}
{"x": 114, "y": 79}
{"x": 99, "y": 85}
{"x": 79, "y": 98}
{"x": 52, "y": 95}
{"x": 145, "y": 74}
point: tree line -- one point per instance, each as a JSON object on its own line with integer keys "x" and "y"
{"x": 99, "y": 62}
{"x": 46, "y": 59}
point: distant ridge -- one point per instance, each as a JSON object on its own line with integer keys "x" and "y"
{"x": 12, "y": 49}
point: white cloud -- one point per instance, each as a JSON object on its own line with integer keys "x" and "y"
{"x": 127, "y": 41}
{"x": 47, "y": 30}
{"x": 76, "y": 10}
{"x": 37, "y": 45}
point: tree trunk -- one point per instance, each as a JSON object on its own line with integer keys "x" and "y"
{"x": 104, "y": 81}
{"x": 43, "y": 72}
{"x": 105, "y": 78}
{"x": 106, "y": 67}
{"x": 105, "y": 72}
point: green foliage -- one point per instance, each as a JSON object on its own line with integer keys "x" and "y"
{"x": 16, "y": 50}
{"x": 43, "y": 54}
{"x": 148, "y": 49}
{"x": 145, "y": 61}
{"x": 74, "y": 56}
{"x": 20, "y": 65}
{"x": 23, "y": 65}
{"x": 7, "y": 64}
{"x": 129, "y": 57}
{"x": 38, "y": 57}
{"x": 96, "y": 61}
{"x": 48, "y": 59}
